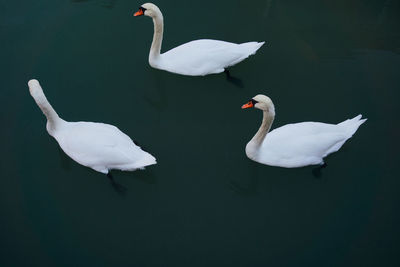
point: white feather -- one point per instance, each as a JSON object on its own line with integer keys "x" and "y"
{"x": 99, "y": 146}
{"x": 202, "y": 57}
{"x": 195, "y": 58}
{"x": 297, "y": 144}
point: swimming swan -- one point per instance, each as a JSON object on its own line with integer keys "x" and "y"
{"x": 196, "y": 58}
{"x": 298, "y": 144}
{"x": 99, "y": 146}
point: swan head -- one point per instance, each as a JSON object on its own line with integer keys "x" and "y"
{"x": 262, "y": 102}
{"x": 148, "y": 9}
{"x": 34, "y": 88}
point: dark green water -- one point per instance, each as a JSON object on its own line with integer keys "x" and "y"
{"x": 205, "y": 203}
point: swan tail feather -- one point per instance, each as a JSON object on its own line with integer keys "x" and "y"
{"x": 352, "y": 125}
{"x": 252, "y": 47}
{"x": 147, "y": 161}
{"x": 247, "y": 49}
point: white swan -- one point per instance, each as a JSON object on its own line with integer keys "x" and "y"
{"x": 298, "y": 144}
{"x": 99, "y": 146}
{"x": 196, "y": 58}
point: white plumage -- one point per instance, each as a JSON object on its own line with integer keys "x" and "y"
{"x": 297, "y": 144}
{"x": 195, "y": 58}
{"x": 100, "y": 146}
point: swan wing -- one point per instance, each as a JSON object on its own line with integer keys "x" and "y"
{"x": 100, "y": 146}
{"x": 201, "y": 57}
{"x": 301, "y": 144}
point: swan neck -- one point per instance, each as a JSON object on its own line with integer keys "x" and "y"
{"x": 264, "y": 129}
{"x": 53, "y": 120}
{"x": 155, "y": 50}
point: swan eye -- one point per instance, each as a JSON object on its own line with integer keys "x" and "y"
{"x": 253, "y": 102}
{"x": 142, "y": 9}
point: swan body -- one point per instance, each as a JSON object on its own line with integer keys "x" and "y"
{"x": 298, "y": 144}
{"x": 99, "y": 146}
{"x": 195, "y": 58}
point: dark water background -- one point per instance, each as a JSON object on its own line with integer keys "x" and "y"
{"x": 205, "y": 203}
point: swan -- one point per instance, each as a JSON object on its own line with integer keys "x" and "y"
{"x": 99, "y": 146}
{"x": 196, "y": 58}
{"x": 298, "y": 144}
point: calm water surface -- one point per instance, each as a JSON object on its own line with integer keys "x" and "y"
{"x": 205, "y": 203}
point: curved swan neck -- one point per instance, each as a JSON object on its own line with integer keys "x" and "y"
{"x": 155, "y": 49}
{"x": 53, "y": 120}
{"x": 267, "y": 121}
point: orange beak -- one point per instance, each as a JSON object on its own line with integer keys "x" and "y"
{"x": 138, "y": 13}
{"x": 248, "y": 105}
